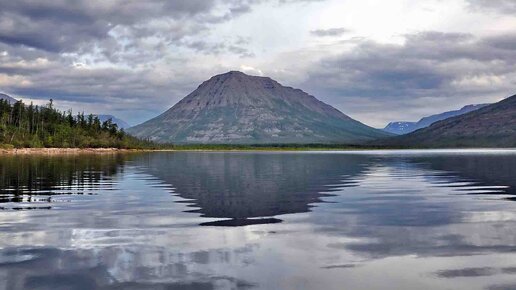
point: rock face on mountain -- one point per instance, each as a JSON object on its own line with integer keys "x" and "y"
{"x": 235, "y": 108}
{"x": 401, "y": 128}
{"x": 119, "y": 122}
{"x": 491, "y": 126}
{"x": 8, "y": 98}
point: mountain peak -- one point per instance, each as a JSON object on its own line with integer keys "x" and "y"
{"x": 230, "y": 75}
{"x": 235, "y": 73}
{"x": 237, "y": 76}
{"x": 473, "y": 107}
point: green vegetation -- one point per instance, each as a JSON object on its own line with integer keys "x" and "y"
{"x": 32, "y": 126}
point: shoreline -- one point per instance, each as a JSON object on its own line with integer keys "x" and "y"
{"x": 66, "y": 151}
{"x": 70, "y": 151}
{"x": 77, "y": 151}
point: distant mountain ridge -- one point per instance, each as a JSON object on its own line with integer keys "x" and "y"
{"x": 8, "y": 98}
{"x": 400, "y": 128}
{"x": 235, "y": 108}
{"x": 119, "y": 122}
{"x": 491, "y": 126}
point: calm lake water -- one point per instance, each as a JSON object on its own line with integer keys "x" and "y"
{"x": 307, "y": 220}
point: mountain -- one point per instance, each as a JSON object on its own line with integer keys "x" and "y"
{"x": 120, "y": 123}
{"x": 235, "y": 108}
{"x": 401, "y": 128}
{"x": 8, "y": 98}
{"x": 491, "y": 126}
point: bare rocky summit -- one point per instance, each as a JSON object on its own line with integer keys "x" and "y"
{"x": 235, "y": 108}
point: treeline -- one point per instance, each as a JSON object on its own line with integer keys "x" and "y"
{"x": 44, "y": 126}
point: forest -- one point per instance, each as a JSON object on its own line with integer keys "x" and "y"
{"x": 30, "y": 126}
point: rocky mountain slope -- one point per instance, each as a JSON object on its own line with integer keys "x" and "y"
{"x": 235, "y": 108}
{"x": 400, "y": 128}
{"x": 491, "y": 126}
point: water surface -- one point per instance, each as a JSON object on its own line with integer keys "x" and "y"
{"x": 300, "y": 220}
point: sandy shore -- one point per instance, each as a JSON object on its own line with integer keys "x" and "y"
{"x": 58, "y": 151}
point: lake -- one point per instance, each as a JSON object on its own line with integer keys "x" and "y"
{"x": 435, "y": 219}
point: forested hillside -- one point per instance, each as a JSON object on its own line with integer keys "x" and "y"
{"x": 24, "y": 125}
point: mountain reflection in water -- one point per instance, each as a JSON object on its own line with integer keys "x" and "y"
{"x": 244, "y": 186}
{"x": 355, "y": 220}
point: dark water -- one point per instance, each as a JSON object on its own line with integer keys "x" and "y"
{"x": 348, "y": 220}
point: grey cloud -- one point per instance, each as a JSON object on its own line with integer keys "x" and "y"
{"x": 47, "y": 35}
{"x": 475, "y": 272}
{"x": 205, "y": 47}
{"x": 436, "y": 36}
{"x": 64, "y": 26}
{"x": 241, "y": 9}
{"x": 127, "y": 33}
{"x": 330, "y": 32}
{"x": 240, "y": 51}
{"x": 506, "y": 43}
{"x": 467, "y": 272}
{"x": 235, "y": 48}
{"x": 502, "y": 287}
{"x": 500, "y": 6}
{"x": 299, "y": 1}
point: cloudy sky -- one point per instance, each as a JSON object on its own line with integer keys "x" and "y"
{"x": 375, "y": 60}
